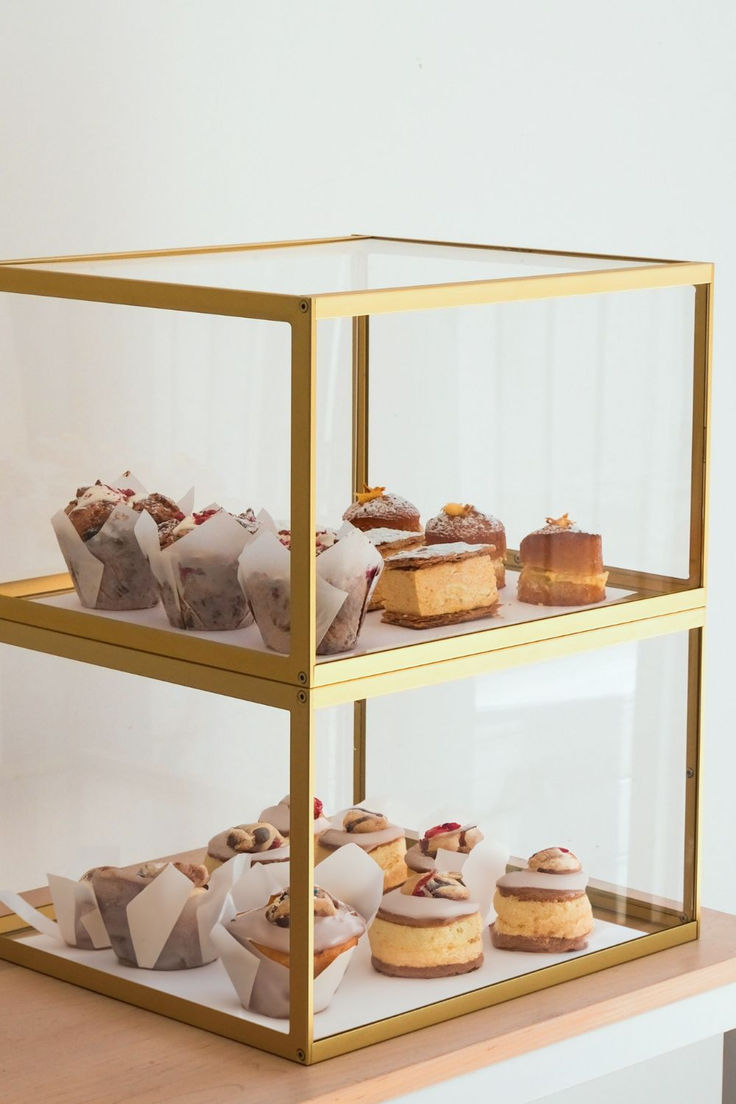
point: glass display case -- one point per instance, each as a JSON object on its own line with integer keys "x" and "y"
{"x": 437, "y": 386}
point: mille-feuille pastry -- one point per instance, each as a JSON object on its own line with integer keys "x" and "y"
{"x": 266, "y": 931}
{"x": 116, "y": 887}
{"x": 450, "y": 836}
{"x": 388, "y": 542}
{"x": 545, "y": 907}
{"x": 429, "y": 928}
{"x": 561, "y": 566}
{"x": 458, "y": 522}
{"x": 383, "y": 842}
{"x": 280, "y": 816}
{"x": 440, "y": 584}
{"x": 261, "y": 840}
{"x": 374, "y": 508}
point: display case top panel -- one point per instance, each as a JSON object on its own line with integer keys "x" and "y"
{"x": 333, "y": 266}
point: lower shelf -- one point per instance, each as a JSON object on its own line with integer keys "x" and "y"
{"x": 364, "y": 997}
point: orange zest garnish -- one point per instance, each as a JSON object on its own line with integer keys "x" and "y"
{"x": 561, "y": 522}
{"x": 456, "y": 509}
{"x": 369, "y": 493}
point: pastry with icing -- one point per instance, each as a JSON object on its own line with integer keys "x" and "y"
{"x": 462, "y": 522}
{"x": 388, "y": 542}
{"x": 429, "y": 928}
{"x": 280, "y": 816}
{"x": 266, "y": 932}
{"x": 117, "y": 887}
{"x": 450, "y": 836}
{"x": 544, "y": 907}
{"x": 375, "y": 508}
{"x": 372, "y": 832}
{"x": 561, "y": 565}
{"x": 440, "y": 584}
{"x": 261, "y": 840}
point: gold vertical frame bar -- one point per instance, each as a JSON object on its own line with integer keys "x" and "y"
{"x": 691, "y": 864}
{"x": 702, "y": 341}
{"x": 302, "y": 646}
{"x": 361, "y": 430}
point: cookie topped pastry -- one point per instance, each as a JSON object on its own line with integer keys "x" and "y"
{"x": 544, "y": 907}
{"x": 458, "y": 522}
{"x": 260, "y": 840}
{"x": 375, "y": 835}
{"x": 450, "y": 836}
{"x": 375, "y": 508}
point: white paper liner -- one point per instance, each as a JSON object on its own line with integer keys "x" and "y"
{"x": 167, "y": 902}
{"x": 346, "y": 573}
{"x": 78, "y": 921}
{"x": 262, "y": 984}
{"x": 109, "y": 571}
{"x": 198, "y": 575}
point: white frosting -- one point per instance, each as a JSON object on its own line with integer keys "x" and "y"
{"x": 99, "y": 493}
{"x": 280, "y": 816}
{"x": 333, "y": 837}
{"x": 534, "y": 879}
{"x": 387, "y": 536}
{"x": 329, "y": 931}
{"x": 425, "y": 908}
{"x": 431, "y": 550}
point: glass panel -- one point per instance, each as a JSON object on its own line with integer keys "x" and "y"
{"x": 180, "y": 400}
{"x": 103, "y": 768}
{"x": 587, "y": 753}
{"x": 341, "y": 266}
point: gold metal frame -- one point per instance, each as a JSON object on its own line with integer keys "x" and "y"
{"x": 296, "y": 682}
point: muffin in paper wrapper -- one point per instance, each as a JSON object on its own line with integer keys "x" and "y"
{"x": 109, "y": 571}
{"x": 78, "y": 920}
{"x": 197, "y": 575}
{"x": 346, "y": 575}
{"x": 262, "y": 984}
{"x": 167, "y": 924}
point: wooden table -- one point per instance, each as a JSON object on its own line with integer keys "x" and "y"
{"x": 64, "y": 1045}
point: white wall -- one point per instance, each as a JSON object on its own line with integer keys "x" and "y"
{"x": 569, "y": 125}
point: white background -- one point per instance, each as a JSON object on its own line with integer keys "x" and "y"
{"x": 569, "y": 125}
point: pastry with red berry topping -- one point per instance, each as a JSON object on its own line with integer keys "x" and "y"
{"x": 96, "y": 533}
{"x": 261, "y": 840}
{"x": 429, "y": 928}
{"x": 458, "y": 522}
{"x": 116, "y": 889}
{"x": 280, "y": 816}
{"x": 450, "y": 836}
{"x": 561, "y": 566}
{"x": 374, "y": 508}
{"x": 195, "y": 562}
{"x": 372, "y": 832}
{"x": 544, "y": 907}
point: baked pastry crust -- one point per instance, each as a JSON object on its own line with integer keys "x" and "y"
{"x": 457, "y": 522}
{"x": 376, "y": 509}
{"x": 440, "y": 584}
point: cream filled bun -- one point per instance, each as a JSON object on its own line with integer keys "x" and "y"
{"x": 544, "y": 907}
{"x": 372, "y": 832}
{"x": 428, "y": 928}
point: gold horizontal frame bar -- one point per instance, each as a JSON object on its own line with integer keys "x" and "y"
{"x": 502, "y": 637}
{"x": 181, "y": 672}
{"x": 502, "y": 991}
{"x": 193, "y": 298}
{"x": 182, "y": 251}
{"x": 535, "y": 651}
{"x": 142, "y": 638}
{"x": 341, "y": 304}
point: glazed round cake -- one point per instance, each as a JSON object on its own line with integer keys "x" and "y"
{"x": 449, "y": 836}
{"x": 543, "y": 908}
{"x": 457, "y": 522}
{"x": 375, "y": 509}
{"x": 561, "y": 566}
{"x": 280, "y": 816}
{"x": 383, "y": 842}
{"x": 429, "y": 928}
